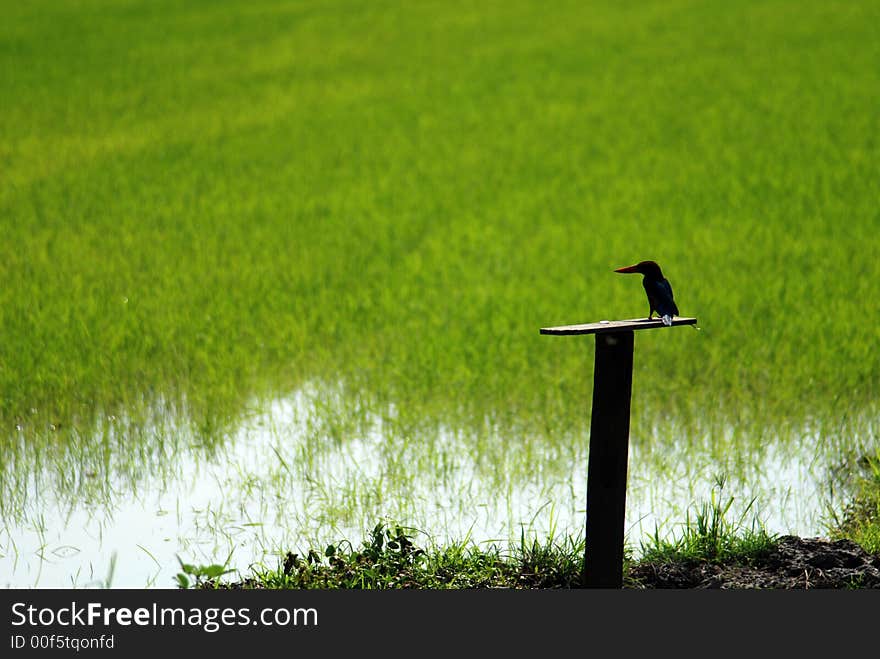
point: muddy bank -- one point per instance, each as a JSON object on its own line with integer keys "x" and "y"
{"x": 795, "y": 563}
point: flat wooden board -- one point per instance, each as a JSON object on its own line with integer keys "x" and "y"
{"x": 604, "y": 326}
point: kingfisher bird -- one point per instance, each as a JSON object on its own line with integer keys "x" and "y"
{"x": 657, "y": 288}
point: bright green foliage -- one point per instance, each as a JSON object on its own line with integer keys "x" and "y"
{"x": 860, "y": 521}
{"x": 200, "y": 574}
{"x": 712, "y": 536}
{"x": 200, "y": 202}
{"x": 388, "y": 559}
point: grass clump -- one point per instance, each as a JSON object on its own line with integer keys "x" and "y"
{"x": 860, "y": 521}
{"x": 712, "y": 536}
{"x": 388, "y": 559}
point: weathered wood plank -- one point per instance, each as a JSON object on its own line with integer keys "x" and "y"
{"x": 604, "y": 326}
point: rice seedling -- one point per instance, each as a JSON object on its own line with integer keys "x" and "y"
{"x": 710, "y": 535}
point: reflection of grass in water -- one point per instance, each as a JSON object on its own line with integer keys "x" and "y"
{"x": 283, "y": 482}
{"x": 319, "y": 467}
{"x": 91, "y": 468}
{"x": 439, "y": 482}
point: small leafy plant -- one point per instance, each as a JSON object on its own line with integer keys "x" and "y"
{"x": 200, "y": 574}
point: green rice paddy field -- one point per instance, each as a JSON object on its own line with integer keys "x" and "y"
{"x": 343, "y": 224}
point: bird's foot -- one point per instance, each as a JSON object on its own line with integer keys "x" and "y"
{"x": 667, "y": 320}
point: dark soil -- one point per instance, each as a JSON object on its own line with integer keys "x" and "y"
{"x": 796, "y": 563}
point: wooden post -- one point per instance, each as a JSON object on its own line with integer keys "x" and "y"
{"x": 606, "y": 470}
{"x": 609, "y": 444}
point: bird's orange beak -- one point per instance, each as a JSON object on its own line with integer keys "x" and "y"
{"x": 628, "y": 269}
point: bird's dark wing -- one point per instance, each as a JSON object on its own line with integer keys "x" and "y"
{"x": 672, "y": 305}
{"x": 660, "y": 296}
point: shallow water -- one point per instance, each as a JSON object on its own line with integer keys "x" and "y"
{"x": 287, "y": 479}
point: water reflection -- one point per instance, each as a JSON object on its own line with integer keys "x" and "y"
{"x": 313, "y": 469}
